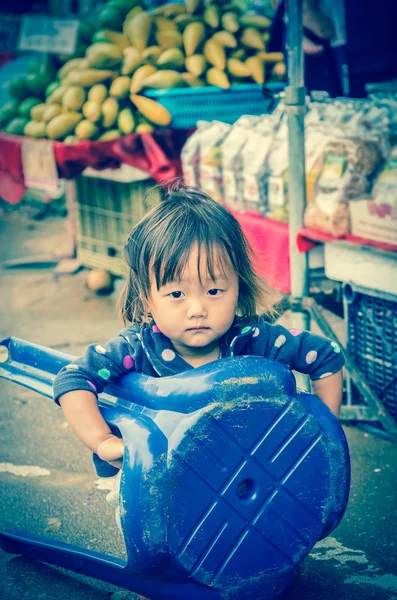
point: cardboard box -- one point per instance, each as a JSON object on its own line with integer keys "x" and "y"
{"x": 373, "y": 221}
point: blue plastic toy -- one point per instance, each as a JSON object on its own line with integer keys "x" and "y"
{"x": 229, "y": 479}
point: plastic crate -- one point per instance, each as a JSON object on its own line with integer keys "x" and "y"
{"x": 371, "y": 322}
{"x": 106, "y": 211}
{"x": 189, "y": 105}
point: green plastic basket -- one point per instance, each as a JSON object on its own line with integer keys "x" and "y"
{"x": 106, "y": 211}
{"x": 189, "y": 105}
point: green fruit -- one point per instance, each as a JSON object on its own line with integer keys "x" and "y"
{"x": 99, "y": 36}
{"x": 7, "y": 112}
{"x": 125, "y": 5}
{"x": 111, "y": 18}
{"x": 126, "y": 121}
{"x": 37, "y": 82}
{"x": 16, "y": 126}
{"x": 26, "y": 106}
{"x": 86, "y": 31}
{"x": 51, "y": 88}
{"x": 34, "y": 65}
{"x": 18, "y": 87}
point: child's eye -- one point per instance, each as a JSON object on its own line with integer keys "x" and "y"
{"x": 215, "y": 292}
{"x": 176, "y": 295}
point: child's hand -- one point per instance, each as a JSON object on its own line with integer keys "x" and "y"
{"x": 112, "y": 450}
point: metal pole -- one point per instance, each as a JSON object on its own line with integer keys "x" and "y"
{"x": 295, "y": 95}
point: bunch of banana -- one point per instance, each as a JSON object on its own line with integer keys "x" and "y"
{"x": 100, "y": 94}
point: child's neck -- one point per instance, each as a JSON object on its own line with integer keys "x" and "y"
{"x": 203, "y": 359}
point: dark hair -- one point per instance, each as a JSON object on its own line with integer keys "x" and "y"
{"x": 162, "y": 242}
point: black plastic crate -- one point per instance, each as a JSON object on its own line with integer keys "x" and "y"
{"x": 371, "y": 323}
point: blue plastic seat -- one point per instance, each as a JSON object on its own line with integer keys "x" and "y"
{"x": 229, "y": 478}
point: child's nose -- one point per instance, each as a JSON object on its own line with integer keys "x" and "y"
{"x": 197, "y": 308}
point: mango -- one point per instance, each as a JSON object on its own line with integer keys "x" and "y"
{"x": 172, "y": 58}
{"x": 73, "y": 98}
{"x": 169, "y": 39}
{"x": 166, "y": 79}
{"x": 98, "y": 93}
{"x": 139, "y": 77}
{"x": 92, "y": 111}
{"x": 37, "y": 112}
{"x": 109, "y": 110}
{"x": 256, "y": 68}
{"x": 62, "y": 125}
{"x": 218, "y": 78}
{"x": 138, "y": 30}
{"x": 112, "y": 134}
{"x": 131, "y": 61}
{"x": 52, "y": 110}
{"x": 215, "y": 54}
{"x": 196, "y": 64}
{"x": 86, "y": 130}
{"x": 120, "y": 87}
{"x": 35, "y": 129}
{"x": 151, "y": 55}
{"x": 103, "y": 55}
{"x": 152, "y": 110}
{"x": 126, "y": 121}
{"x": 89, "y": 77}
{"x": 192, "y": 37}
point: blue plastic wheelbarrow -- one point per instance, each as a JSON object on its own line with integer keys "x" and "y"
{"x": 229, "y": 478}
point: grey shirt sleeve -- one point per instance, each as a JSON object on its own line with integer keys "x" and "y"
{"x": 301, "y": 351}
{"x": 100, "y": 365}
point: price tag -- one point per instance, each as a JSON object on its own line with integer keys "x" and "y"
{"x": 39, "y": 166}
{"x": 43, "y": 34}
{"x": 9, "y": 29}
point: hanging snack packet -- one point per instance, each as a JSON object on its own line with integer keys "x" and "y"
{"x": 255, "y": 155}
{"x": 232, "y": 163}
{"x": 190, "y": 156}
{"x": 211, "y": 159}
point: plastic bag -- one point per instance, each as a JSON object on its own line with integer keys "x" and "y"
{"x": 255, "y": 155}
{"x": 190, "y": 156}
{"x": 342, "y": 171}
{"x": 211, "y": 159}
{"x": 232, "y": 163}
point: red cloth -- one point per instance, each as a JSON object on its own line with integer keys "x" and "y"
{"x": 307, "y": 239}
{"x": 158, "y": 154}
{"x": 270, "y": 242}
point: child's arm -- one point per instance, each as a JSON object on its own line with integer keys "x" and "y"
{"x": 330, "y": 390}
{"x": 77, "y": 386}
{"x": 81, "y": 411}
{"x": 305, "y": 352}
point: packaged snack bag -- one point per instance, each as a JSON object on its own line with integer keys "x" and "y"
{"x": 232, "y": 163}
{"x": 190, "y": 156}
{"x": 255, "y": 154}
{"x": 210, "y": 167}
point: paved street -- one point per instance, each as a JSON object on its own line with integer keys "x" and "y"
{"x": 47, "y": 484}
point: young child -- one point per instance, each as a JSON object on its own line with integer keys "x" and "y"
{"x": 191, "y": 298}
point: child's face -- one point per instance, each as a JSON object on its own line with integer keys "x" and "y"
{"x": 195, "y": 315}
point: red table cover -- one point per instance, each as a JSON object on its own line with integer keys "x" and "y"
{"x": 156, "y": 153}
{"x": 270, "y": 242}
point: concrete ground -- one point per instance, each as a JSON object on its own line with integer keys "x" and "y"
{"x": 47, "y": 484}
